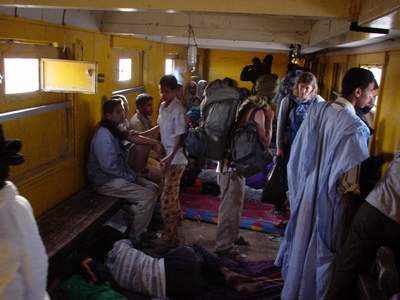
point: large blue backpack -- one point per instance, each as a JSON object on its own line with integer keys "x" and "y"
{"x": 218, "y": 112}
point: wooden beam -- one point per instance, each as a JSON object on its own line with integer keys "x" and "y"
{"x": 210, "y": 26}
{"x": 326, "y": 30}
{"x": 305, "y": 8}
{"x": 372, "y": 10}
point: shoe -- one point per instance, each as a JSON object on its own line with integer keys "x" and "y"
{"x": 162, "y": 247}
{"x": 240, "y": 241}
{"x": 149, "y": 236}
{"x": 141, "y": 244}
{"x": 280, "y": 212}
{"x": 231, "y": 253}
{"x": 388, "y": 276}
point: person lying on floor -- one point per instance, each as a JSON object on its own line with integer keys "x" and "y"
{"x": 180, "y": 274}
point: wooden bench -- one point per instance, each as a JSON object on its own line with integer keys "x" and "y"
{"x": 64, "y": 227}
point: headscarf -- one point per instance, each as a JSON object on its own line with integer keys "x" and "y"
{"x": 201, "y": 86}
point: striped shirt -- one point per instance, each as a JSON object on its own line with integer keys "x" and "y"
{"x": 134, "y": 270}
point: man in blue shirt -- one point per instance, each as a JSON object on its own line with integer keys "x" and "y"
{"x": 109, "y": 172}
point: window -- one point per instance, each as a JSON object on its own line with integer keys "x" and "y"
{"x": 60, "y": 75}
{"x": 169, "y": 66}
{"x": 377, "y": 71}
{"x": 21, "y": 75}
{"x": 125, "y": 69}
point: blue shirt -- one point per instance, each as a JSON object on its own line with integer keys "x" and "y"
{"x": 108, "y": 160}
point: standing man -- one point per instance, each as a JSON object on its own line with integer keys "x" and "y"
{"x": 232, "y": 183}
{"x": 23, "y": 259}
{"x": 376, "y": 224}
{"x": 322, "y": 179}
{"x": 172, "y": 127}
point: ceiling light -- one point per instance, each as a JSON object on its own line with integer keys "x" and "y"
{"x": 192, "y": 49}
{"x": 127, "y": 9}
{"x": 171, "y": 11}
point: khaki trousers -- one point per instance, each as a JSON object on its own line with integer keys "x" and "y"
{"x": 230, "y": 210}
{"x": 142, "y": 196}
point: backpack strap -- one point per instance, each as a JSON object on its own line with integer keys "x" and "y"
{"x": 291, "y": 106}
{"x": 253, "y": 114}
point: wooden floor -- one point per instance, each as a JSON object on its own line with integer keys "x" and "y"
{"x": 262, "y": 246}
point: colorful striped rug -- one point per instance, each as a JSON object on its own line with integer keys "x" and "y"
{"x": 256, "y": 216}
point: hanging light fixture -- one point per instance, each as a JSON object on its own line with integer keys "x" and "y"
{"x": 192, "y": 49}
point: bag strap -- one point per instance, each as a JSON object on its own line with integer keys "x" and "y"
{"x": 291, "y": 106}
{"x": 253, "y": 114}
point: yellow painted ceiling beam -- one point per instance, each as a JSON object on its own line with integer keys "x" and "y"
{"x": 210, "y": 26}
{"x": 372, "y": 10}
{"x": 303, "y": 8}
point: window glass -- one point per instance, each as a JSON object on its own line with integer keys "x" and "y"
{"x": 169, "y": 66}
{"x": 21, "y": 75}
{"x": 125, "y": 69}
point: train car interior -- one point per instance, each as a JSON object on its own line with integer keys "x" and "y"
{"x": 228, "y": 149}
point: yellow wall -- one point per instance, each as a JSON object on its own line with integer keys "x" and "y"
{"x": 223, "y": 63}
{"x": 47, "y": 184}
{"x": 387, "y": 136}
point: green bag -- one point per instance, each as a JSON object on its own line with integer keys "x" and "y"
{"x": 77, "y": 288}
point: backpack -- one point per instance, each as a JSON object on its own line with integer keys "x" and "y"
{"x": 266, "y": 85}
{"x": 218, "y": 112}
{"x": 248, "y": 154}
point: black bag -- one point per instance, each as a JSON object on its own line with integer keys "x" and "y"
{"x": 275, "y": 188}
{"x": 196, "y": 143}
{"x": 248, "y": 154}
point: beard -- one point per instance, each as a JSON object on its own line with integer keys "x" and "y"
{"x": 365, "y": 109}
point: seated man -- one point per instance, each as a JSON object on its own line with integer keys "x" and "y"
{"x": 109, "y": 172}
{"x": 23, "y": 259}
{"x": 140, "y": 147}
{"x": 376, "y": 224}
{"x": 140, "y": 122}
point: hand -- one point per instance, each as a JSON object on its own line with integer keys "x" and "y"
{"x": 133, "y": 132}
{"x": 158, "y": 147}
{"x": 166, "y": 162}
{"x": 387, "y": 157}
{"x": 280, "y": 152}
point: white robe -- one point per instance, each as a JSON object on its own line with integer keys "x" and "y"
{"x": 23, "y": 259}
